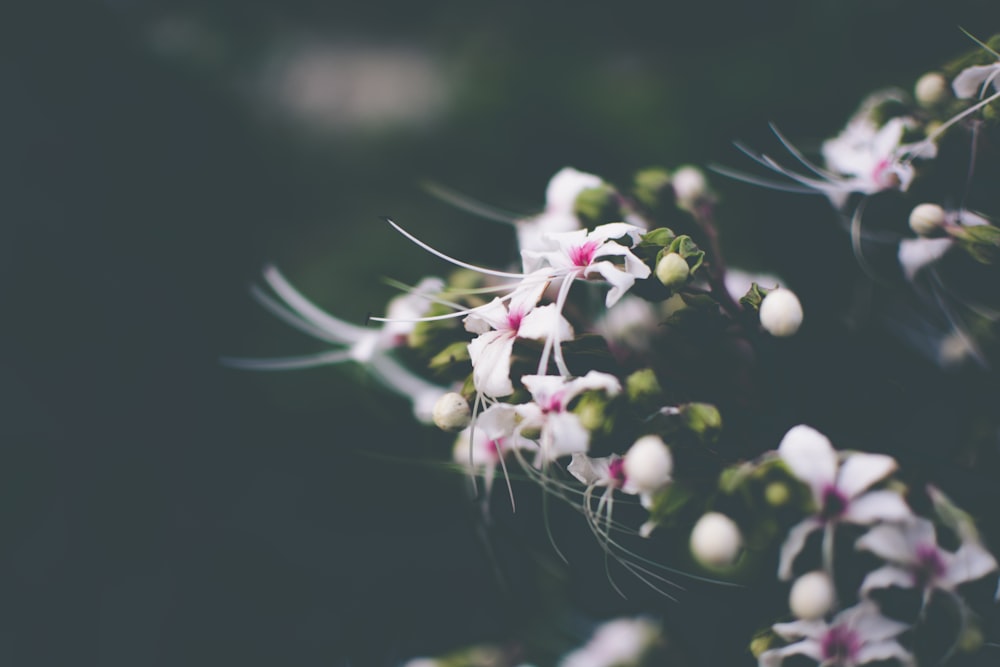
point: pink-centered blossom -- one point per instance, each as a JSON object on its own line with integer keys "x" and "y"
{"x": 480, "y": 447}
{"x": 840, "y": 489}
{"x": 856, "y": 636}
{"x": 915, "y": 560}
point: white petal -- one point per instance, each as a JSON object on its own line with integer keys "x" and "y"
{"x": 893, "y": 543}
{"x": 543, "y": 323}
{"x": 592, "y": 381}
{"x": 969, "y": 563}
{"x": 590, "y": 471}
{"x": 566, "y": 186}
{"x": 619, "y": 280}
{"x": 812, "y": 629}
{"x": 616, "y": 230}
{"x": 885, "y": 650}
{"x": 809, "y": 455}
{"x": 860, "y": 471}
{"x": 868, "y": 621}
{"x": 566, "y": 435}
{"x": 490, "y": 354}
{"x": 884, "y": 577}
{"x": 877, "y": 506}
{"x": 491, "y": 316}
{"x": 915, "y": 254}
{"x": 969, "y": 80}
{"x": 790, "y": 548}
{"x": 776, "y": 656}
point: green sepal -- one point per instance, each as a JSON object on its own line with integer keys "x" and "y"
{"x": 702, "y": 419}
{"x": 685, "y": 246}
{"x": 598, "y": 206}
{"x": 660, "y": 237}
{"x": 980, "y": 241}
{"x": 751, "y": 300}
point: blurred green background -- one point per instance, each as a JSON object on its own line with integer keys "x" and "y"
{"x": 159, "y": 509}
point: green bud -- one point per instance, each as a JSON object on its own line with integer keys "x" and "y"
{"x": 590, "y": 410}
{"x": 685, "y": 246}
{"x": 703, "y": 419}
{"x": 672, "y": 270}
{"x": 597, "y": 206}
{"x": 777, "y": 494}
{"x": 642, "y": 384}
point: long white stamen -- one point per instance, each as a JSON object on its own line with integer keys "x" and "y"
{"x": 288, "y": 363}
{"x": 474, "y": 206}
{"x": 452, "y": 260}
{"x": 308, "y": 310}
{"x": 293, "y": 319}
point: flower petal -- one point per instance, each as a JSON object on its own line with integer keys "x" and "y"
{"x": 861, "y": 471}
{"x": 790, "y": 548}
{"x": 811, "y": 629}
{"x": 885, "y": 650}
{"x": 884, "y": 577}
{"x": 776, "y": 656}
{"x": 490, "y": 354}
{"x": 809, "y": 455}
{"x": 590, "y": 471}
{"x": 877, "y": 506}
{"x": 894, "y": 543}
{"x": 566, "y": 435}
{"x": 543, "y": 323}
{"x": 969, "y": 563}
{"x": 970, "y": 80}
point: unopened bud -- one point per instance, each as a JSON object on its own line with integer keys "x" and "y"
{"x": 777, "y": 494}
{"x": 648, "y": 464}
{"x": 781, "y": 312}
{"x": 716, "y": 540}
{"x": 672, "y": 270}
{"x": 812, "y": 596}
{"x": 452, "y": 412}
{"x": 927, "y": 219}
{"x": 932, "y": 89}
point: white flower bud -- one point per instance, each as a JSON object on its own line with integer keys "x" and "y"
{"x": 781, "y": 312}
{"x": 672, "y": 270}
{"x": 926, "y": 219}
{"x": 812, "y": 596}
{"x": 648, "y": 464}
{"x": 689, "y": 185}
{"x": 716, "y": 540}
{"x": 452, "y": 412}
{"x": 932, "y": 89}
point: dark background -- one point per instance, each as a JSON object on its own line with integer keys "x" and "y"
{"x": 159, "y": 509}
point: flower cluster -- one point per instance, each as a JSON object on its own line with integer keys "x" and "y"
{"x": 617, "y": 364}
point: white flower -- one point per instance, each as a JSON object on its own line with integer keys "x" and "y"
{"x": 480, "y": 447}
{"x": 838, "y": 489}
{"x": 974, "y": 81}
{"x": 617, "y": 643}
{"x": 716, "y": 540}
{"x": 812, "y": 596}
{"x": 498, "y": 325}
{"x": 558, "y": 216}
{"x": 562, "y": 433}
{"x": 576, "y": 255}
{"x": 366, "y": 345}
{"x": 781, "y": 313}
{"x": 915, "y": 254}
{"x": 856, "y": 636}
{"x": 916, "y": 561}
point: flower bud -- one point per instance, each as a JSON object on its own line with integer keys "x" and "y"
{"x": 672, "y": 270}
{"x": 926, "y": 219}
{"x": 648, "y": 464}
{"x": 932, "y": 89}
{"x": 452, "y": 412}
{"x": 703, "y": 419}
{"x": 812, "y": 596}
{"x": 716, "y": 540}
{"x": 781, "y": 312}
{"x": 689, "y": 185}
{"x": 777, "y": 494}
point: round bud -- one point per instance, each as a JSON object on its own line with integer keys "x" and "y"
{"x": 452, "y": 412}
{"x": 812, "y": 596}
{"x": 926, "y": 219}
{"x": 781, "y": 312}
{"x": 716, "y": 540}
{"x": 932, "y": 89}
{"x": 777, "y": 494}
{"x": 672, "y": 270}
{"x": 648, "y": 464}
{"x": 689, "y": 185}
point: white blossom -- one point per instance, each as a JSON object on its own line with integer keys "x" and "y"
{"x": 617, "y": 643}
{"x": 558, "y": 216}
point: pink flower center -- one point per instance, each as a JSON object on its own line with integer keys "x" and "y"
{"x": 841, "y": 645}
{"x": 553, "y": 403}
{"x": 583, "y": 255}
{"x": 834, "y": 503}
{"x": 883, "y": 176}
{"x": 494, "y": 449}
{"x": 928, "y": 565}
{"x": 514, "y": 319}
{"x": 616, "y": 470}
